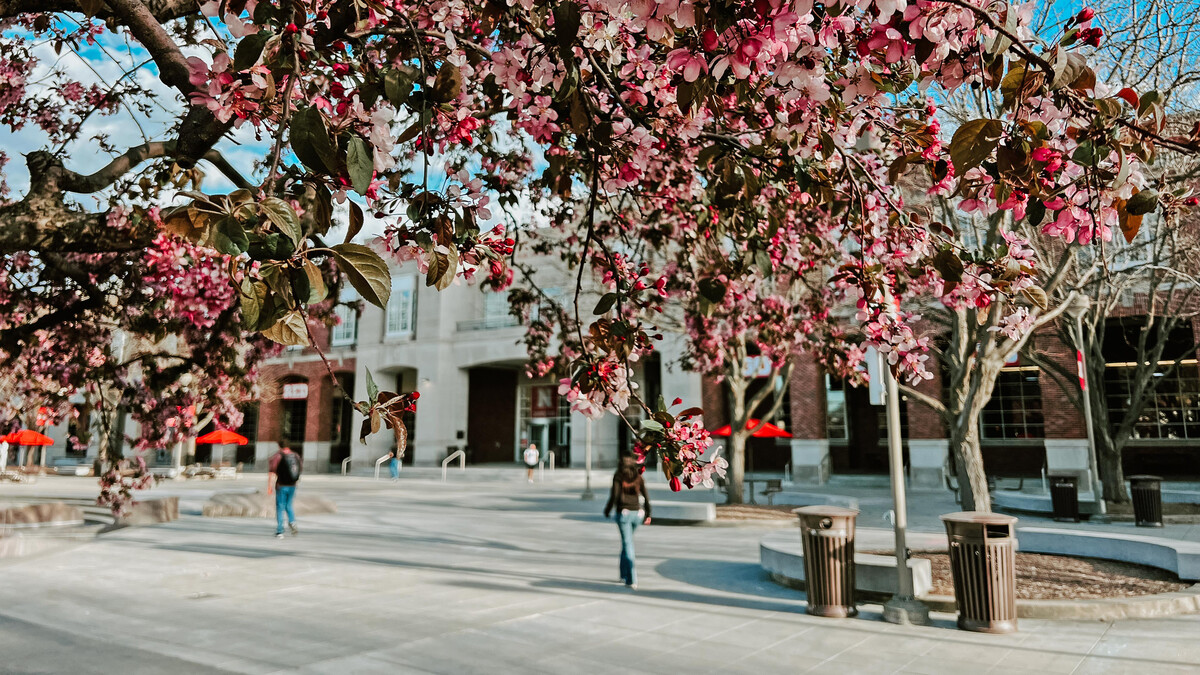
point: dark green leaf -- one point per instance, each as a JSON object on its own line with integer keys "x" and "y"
{"x": 652, "y": 425}
{"x": 397, "y": 86}
{"x": 249, "y": 49}
{"x": 283, "y": 216}
{"x": 317, "y": 291}
{"x": 973, "y": 143}
{"x": 606, "y": 303}
{"x": 252, "y": 296}
{"x": 311, "y": 142}
{"x": 1142, "y": 203}
{"x": 366, "y": 272}
{"x": 448, "y": 84}
{"x": 229, "y": 238}
{"x": 360, "y": 163}
{"x": 566, "y": 28}
{"x": 712, "y": 290}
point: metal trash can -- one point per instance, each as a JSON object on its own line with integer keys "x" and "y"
{"x": 1064, "y": 496}
{"x": 828, "y": 536}
{"x": 1146, "y": 492}
{"x": 983, "y": 550}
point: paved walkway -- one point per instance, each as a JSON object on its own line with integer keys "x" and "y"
{"x": 486, "y": 577}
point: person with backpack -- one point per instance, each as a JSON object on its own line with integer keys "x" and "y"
{"x": 632, "y": 503}
{"x": 285, "y": 468}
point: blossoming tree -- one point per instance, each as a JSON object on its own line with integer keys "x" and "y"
{"x": 678, "y": 112}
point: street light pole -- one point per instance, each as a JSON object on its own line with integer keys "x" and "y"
{"x": 587, "y": 464}
{"x": 902, "y": 608}
{"x": 1077, "y": 309}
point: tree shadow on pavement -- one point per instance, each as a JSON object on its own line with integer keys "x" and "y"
{"x": 726, "y": 576}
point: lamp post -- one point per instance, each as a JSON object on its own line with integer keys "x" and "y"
{"x": 1076, "y": 309}
{"x": 587, "y": 464}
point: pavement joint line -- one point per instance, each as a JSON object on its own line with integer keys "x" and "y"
{"x": 1093, "y": 647}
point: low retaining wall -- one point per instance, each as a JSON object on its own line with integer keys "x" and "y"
{"x": 152, "y": 511}
{"x": 794, "y": 498}
{"x": 683, "y": 512}
{"x": 782, "y": 555}
{"x": 1180, "y": 557}
{"x": 40, "y": 515}
{"x": 262, "y": 505}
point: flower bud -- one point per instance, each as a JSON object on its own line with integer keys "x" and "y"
{"x": 708, "y": 40}
{"x": 1085, "y": 14}
{"x": 676, "y": 486}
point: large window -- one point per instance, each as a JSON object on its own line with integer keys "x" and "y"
{"x": 835, "y": 408}
{"x": 1015, "y": 410}
{"x": 401, "y": 306}
{"x": 346, "y": 330}
{"x": 1172, "y": 412}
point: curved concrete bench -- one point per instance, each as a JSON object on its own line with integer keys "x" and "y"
{"x": 782, "y": 555}
{"x": 1180, "y": 557}
{"x": 683, "y": 512}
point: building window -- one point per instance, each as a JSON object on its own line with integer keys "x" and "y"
{"x": 401, "y": 306}
{"x": 346, "y": 331}
{"x": 835, "y": 408}
{"x": 1172, "y": 412}
{"x": 1015, "y": 410}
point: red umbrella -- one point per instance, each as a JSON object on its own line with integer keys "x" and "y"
{"x": 27, "y": 437}
{"x": 222, "y": 437}
{"x": 767, "y": 430}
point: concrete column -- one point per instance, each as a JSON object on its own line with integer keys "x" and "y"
{"x": 810, "y": 446}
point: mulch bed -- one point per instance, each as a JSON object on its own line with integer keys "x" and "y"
{"x": 1054, "y": 577}
{"x": 755, "y": 512}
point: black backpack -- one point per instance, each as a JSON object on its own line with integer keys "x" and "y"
{"x": 288, "y": 469}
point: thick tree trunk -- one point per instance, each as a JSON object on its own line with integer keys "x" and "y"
{"x": 1112, "y": 474}
{"x": 737, "y": 467}
{"x": 972, "y": 479}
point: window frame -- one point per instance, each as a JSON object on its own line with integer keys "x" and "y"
{"x": 401, "y": 284}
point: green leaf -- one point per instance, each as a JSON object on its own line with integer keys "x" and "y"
{"x": 250, "y": 49}
{"x": 253, "y": 295}
{"x": 1147, "y": 100}
{"x": 397, "y": 86}
{"x": 283, "y": 216}
{"x": 415, "y": 128}
{"x": 229, "y": 238}
{"x": 372, "y": 388}
{"x": 448, "y": 84}
{"x": 566, "y": 27}
{"x": 652, "y": 425}
{"x": 289, "y": 330}
{"x": 1142, "y": 203}
{"x": 712, "y": 290}
{"x": 317, "y": 291}
{"x": 360, "y": 164}
{"x": 606, "y": 303}
{"x": 311, "y": 142}
{"x": 447, "y": 277}
{"x": 973, "y": 143}
{"x": 366, "y": 272}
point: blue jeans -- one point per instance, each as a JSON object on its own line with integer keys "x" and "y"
{"x": 284, "y": 494}
{"x": 394, "y": 467}
{"x": 627, "y": 522}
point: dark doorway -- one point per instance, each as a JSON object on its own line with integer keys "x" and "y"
{"x": 492, "y": 414}
{"x": 342, "y": 420}
{"x": 865, "y": 450}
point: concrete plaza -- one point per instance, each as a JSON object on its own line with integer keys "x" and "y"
{"x": 475, "y": 576}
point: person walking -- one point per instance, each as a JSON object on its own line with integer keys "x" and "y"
{"x": 632, "y": 503}
{"x": 284, "y": 469}
{"x": 532, "y": 455}
{"x": 394, "y": 465}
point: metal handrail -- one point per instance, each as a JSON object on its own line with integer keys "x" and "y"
{"x": 462, "y": 462}
{"x": 345, "y": 465}
{"x": 379, "y": 461}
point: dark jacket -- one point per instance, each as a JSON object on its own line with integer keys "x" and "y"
{"x": 625, "y": 496}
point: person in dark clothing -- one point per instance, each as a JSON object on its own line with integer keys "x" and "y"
{"x": 632, "y": 504}
{"x": 285, "y": 468}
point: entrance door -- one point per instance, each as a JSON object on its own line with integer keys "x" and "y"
{"x": 866, "y": 449}
{"x": 492, "y": 415}
{"x": 539, "y": 432}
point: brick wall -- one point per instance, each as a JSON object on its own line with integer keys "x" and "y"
{"x": 712, "y": 395}
{"x": 923, "y": 421}
{"x": 321, "y": 390}
{"x": 807, "y": 398}
{"x": 1063, "y": 418}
